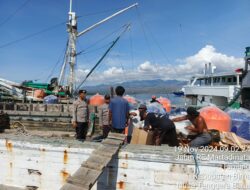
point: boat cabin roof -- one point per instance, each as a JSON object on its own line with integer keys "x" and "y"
{"x": 224, "y": 74}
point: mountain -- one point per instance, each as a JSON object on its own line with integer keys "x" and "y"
{"x": 140, "y": 86}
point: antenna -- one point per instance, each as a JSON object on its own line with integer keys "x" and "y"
{"x": 70, "y": 6}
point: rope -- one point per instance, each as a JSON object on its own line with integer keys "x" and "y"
{"x": 14, "y": 13}
{"x": 123, "y": 70}
{"x": 91, "y": 51}
{"x": 144, "y": 33}
{"x": 105, "y": 37}
{"x": 158, "y": 45}
{"x": 14, "y": 125}
{"x": 197, "y": 169}
{"x": 131, "y": 49}
{"x": 20, "y": 128}
{"x": 101, "y": 12}
{"x": 100, "y": 60}
{"x": 30, "y": 35}
{"x": 59, "y": 59}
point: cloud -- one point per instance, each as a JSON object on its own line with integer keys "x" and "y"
{"x": 81, "y": 74}
{"x": 182, "y": 69}
{"x": 147, "y": 67}
{"x": 208, "y": 54}
{"x": 113, "y": 74}
{"x": 113, "y": 71}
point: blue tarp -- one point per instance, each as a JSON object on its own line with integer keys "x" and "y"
{"x": 51, "y": 99}
{"x": 156, "y": 107}
{"x": 240, "y": 122}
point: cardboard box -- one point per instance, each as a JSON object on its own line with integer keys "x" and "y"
{"x": 135, "y": 136}
{"x": 139, "y": 136}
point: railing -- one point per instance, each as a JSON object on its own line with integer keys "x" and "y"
{"x": 225, "y": 91}
{"x": 42, "y": 116}
{"x": 37, "y": 109}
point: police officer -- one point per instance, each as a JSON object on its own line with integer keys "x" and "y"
{"x": 81, "y": 115}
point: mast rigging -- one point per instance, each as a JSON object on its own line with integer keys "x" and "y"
{"x": 70, "y": 57}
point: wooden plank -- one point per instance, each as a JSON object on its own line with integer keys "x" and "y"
{"x": 83, "y": 172}
{"x": 96, "y": 162}
{"x": 87, "y": 175}
{"x": 117, "y": 136}
{"x": 112, "y": 142}
{"x": 105, "y": 153}
{"x": 84, "y": 177}
{"x": 69, "y": 186}
{"x": 237, "y": 141}
{"x": 102, "y": 153}
{"x": 87, "y": 183}
{"x": 3, "y": 187}
{"x": 107, "y": 148}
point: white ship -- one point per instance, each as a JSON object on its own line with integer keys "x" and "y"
{"x": 213, "y": 88}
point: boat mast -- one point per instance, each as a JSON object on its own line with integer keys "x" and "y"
{"x": 70, "y": 57}
{"x": 71, "y": 49}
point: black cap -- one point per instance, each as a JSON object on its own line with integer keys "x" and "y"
{"x": 82, "y": 91}
{"x": 142, "y": 107}
{"x": 192, "y": 111}
{"x": 107, "y": 97}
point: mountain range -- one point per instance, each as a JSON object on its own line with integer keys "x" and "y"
{"x": 140, "y": 86}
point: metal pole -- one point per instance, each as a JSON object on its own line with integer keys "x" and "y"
{"x": 60, "y": 80}
{"x": 72, "y": 60}
{"x": 71, "y": 52}
{"x": 106, "y": 19}
{"x": 100, "y": 60}
{"x": 70, "y": 6}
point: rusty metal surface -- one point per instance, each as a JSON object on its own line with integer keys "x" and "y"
{"x": 150, "y": 167}
{"x": 45, "y": 166}
{"x": 48, "y": 162}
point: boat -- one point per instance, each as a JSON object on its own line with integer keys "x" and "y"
{"x": 213, "y": 88}
{"x": 30, "y": 162}
{"x": 179, "y": 93}
{"x": 220, "y": 89}
{"x": 57, "y": 86}
{"x": 12, "y": 91}
{"x": 46, "y": 163}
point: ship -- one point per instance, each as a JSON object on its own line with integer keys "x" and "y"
{"x": 212, "y": 88}
{"x": 45, "y": 163}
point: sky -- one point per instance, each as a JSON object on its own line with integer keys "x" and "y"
{"x": 168, "y": 39}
